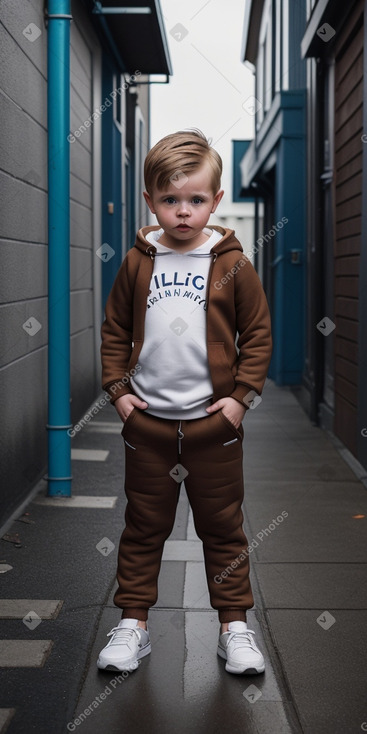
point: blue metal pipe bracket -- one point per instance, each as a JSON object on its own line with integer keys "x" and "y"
{"x": 58, "y": 118}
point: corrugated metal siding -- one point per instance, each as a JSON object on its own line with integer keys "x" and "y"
{"x": 348, "y": 211}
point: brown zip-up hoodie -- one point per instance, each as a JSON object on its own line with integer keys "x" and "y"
{"x": 235, "y": 305}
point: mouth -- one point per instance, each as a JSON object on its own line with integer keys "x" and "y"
{"x": 183, "y": 227}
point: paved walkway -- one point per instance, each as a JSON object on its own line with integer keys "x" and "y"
{"x": 305, "y": 517}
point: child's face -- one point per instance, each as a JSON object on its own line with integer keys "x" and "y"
{"x": 184, "y": 207}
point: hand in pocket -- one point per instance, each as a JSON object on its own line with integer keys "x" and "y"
{"x": 126, "y": 404}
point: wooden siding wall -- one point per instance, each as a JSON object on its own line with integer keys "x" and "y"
{"x": 348, "y": 210}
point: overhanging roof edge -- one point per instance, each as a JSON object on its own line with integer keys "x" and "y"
{"x": 159, "y": 50}
{"x": 251, "y": 30}
{"x": 245, "y": 32}
{"x": 163, "y": 36}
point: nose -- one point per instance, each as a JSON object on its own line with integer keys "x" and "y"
{"x": 183, "y": 209}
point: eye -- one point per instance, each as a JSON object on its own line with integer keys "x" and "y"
{"x": 197, "y": 200}
{"x": 169, "y": 200}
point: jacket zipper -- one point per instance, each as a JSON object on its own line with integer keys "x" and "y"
{"x": 215, "y": 255}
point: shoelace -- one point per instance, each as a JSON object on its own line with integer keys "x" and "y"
{"x": 245, "y": 638}
{"x": 123, "y": 634}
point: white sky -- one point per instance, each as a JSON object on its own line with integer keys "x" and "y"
{"x": 209, "y": 82}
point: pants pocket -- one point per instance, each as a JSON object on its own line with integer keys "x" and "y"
{"x": 238, "y": 432}
{"x": 128, "y": 421}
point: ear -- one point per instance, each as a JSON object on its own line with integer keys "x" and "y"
{"x": 216, "y": 200}
{"x": 149, "y": 201}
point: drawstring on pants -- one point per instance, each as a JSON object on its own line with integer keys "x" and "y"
{"x": 180, "y": 437}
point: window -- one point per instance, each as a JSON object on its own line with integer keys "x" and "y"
{"x": 268, "y": 67}
{"x": 260, "y": 86}
{"x": 277, "y": 36}
{"x": 119, "y": 102}
{"x": 265, "y": 68}
{"x": 285, "y": 45}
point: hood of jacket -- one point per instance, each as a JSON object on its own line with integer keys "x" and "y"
{"x": 228, "y": 242}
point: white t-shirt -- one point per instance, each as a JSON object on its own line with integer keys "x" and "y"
{"x": 174, "y": 376}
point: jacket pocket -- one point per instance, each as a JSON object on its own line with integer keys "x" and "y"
{"x": 220, "y": 370}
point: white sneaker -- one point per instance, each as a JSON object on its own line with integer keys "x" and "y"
{"x": 238, "y": 648}
{"x": 127, "y": 645}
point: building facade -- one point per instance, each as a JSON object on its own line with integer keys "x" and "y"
{"x": 310, "y": 68}
{"x": 334, "y": 383}
{"x": 112, "y": 60}
{"x": 274, "y": 171}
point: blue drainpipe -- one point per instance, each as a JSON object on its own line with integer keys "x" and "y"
{"x": 58, "y": 114}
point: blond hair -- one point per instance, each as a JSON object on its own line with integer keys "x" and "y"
{"x": 181, "y": 152}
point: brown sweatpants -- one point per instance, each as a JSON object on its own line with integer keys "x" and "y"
{"x": 207, "y": 454}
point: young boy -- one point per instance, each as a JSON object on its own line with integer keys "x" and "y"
{"x": 181, "y": 385}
